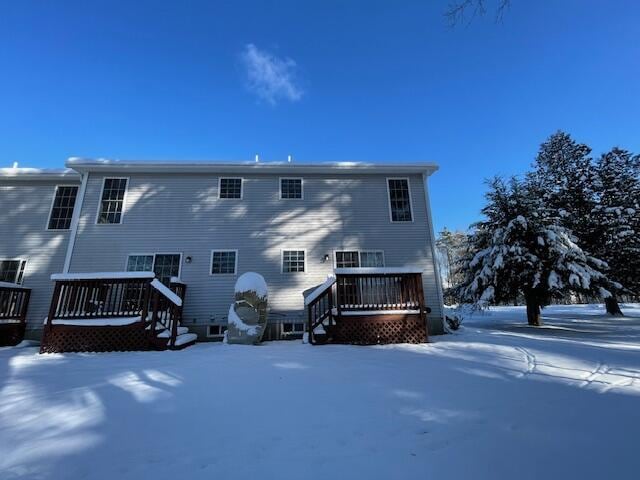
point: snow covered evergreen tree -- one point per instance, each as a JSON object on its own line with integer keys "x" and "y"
{"x": 451, "y": 246}
{"x": 564, "y": 174}
{"x": 521, "y": 250}
{"x": 616, "y": 220}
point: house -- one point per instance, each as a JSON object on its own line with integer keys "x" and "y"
{"x": 206, "y": 223}
{"x": 35, "y": 208}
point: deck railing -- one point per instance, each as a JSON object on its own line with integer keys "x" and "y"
{"x": 379, "y": 291}
{"x": 98, "y": 296}
{"x": 14, "y": 302}
{"x": 372, "y": 291}
{"x": 102, "y": 296}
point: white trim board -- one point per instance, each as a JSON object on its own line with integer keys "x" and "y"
{"x": 75, "y": 220}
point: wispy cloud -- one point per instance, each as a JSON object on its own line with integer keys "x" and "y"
{"x": 270, "y": 77}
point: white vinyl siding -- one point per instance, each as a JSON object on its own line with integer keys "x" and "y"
{"x": 170, "y": 212}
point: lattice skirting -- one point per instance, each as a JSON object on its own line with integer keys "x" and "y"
{"x": 378, "y": 329}
{"x": 11, "y": 334}
{"x": 71, "y": 338}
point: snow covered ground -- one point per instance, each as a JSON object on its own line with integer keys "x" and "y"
{"x": 498, "y": 399}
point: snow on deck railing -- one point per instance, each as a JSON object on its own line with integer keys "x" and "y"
{"x": 319, "y": 290}
{"x": 101, "y": 275}
{"x": 176, "y": 280}
{"x": 158, "y": 285}
{"x": 377, "y": 270}
{"x": 12, "y": 285}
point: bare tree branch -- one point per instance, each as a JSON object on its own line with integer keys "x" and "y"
{"x": 459, "y": 10}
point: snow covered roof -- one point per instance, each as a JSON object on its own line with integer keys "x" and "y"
{"x": 107, "y": 165}
{"x": 11, "y": 285}
{"x": 39, "y": 174}
{"x": 101, "y": 275}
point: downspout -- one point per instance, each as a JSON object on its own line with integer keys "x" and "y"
{"x": 75, "y": 220}
{"x": 436, "y": 269}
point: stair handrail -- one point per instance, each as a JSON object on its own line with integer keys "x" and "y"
{"x": 174, "y": 310}
{"x": 319, "y": 305}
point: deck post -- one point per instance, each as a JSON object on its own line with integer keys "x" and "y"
{"x": 339, "y": 280}
{"x": 25, "y": 305}
{"x": 55, "y": 298}
{"x": 146, "y": 297}
{"x": 421, "y": 303}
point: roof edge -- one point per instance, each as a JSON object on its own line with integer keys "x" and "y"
{"x": 39, "y": 174}
{"x": 107, "y": 165}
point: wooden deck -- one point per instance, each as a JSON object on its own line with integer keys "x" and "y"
{"x": 367, "y": 307}
{"x": 121, "y": 312}
{"x": 14, "y": 302}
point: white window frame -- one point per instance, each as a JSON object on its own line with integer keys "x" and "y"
{"x": 218, "y": 335}
{"x": 399, "y": 222}
{"x": 293, "y": 249}
{"x": 291, "y": 178}
{"x": 235, "y": 268}
{"x": 124, "y": 200}
{"x": 335, "y": 255}
{"x": 359, "y": 251}
{"x": 24, "y": 270}
{"x": 153, "y": 265}
{"x": 230, "y": 178}
{"x": 53, "y": 201}
{"x": 293, "y": 328}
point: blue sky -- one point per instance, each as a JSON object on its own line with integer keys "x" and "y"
{"x": 322, "y": 81}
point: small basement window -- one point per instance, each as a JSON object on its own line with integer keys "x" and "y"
{"x": 224, "y": 262}
{"x": 64, "y": 201}
{"x": 230, "y": 188}
{"x": 293, "y": 328}
{"x": 399, "y": 200}
{"x": 293, "y": 261}
{"x": 216, "y": 331}
{"x": 112, "y": 200}
{"x": 290, "y": 188}
{"x": 12, "y": 271}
